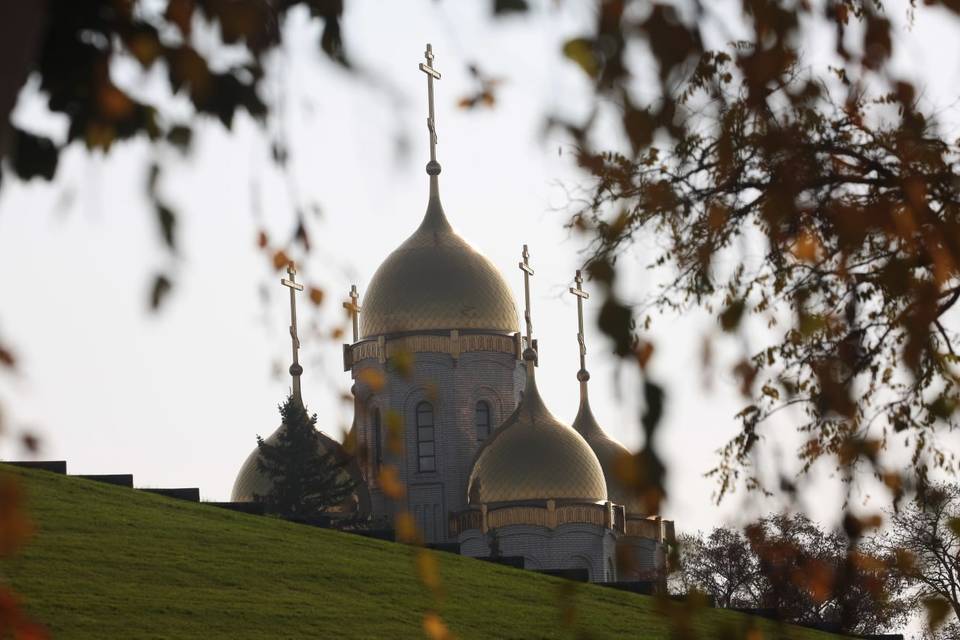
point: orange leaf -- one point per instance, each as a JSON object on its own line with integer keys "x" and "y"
{"x": 373, "y": 378}
{"x": 114, "y": 104}
{"x": 390, "y": 482}
{"x": 428, "y": 569}
{"x": 179, "y": 12}
{"x": 6, "y": 358}
{"x": 434, "y": 627}
{"x": 280, "y": 259}
{"x": 262, "y": 239}
{"x": 407, "y": 531}
{"x": 316, "y": 296}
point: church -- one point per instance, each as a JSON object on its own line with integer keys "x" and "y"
{"x": 455, "y": 432}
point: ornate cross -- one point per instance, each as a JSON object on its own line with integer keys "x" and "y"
{"x": 353, "y": 308}
{"x": 581, "y": 296}
{"x": 295, "y": 368}
{"x": 431, "y": 75}
{"x": 527, "y": 272}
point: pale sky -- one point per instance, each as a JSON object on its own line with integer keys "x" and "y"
{"x": 177, "y": 398}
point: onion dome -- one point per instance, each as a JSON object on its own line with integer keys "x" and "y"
{"x": 534, "y": 457}
{"x": 436, "y": 281}
{"x": 252, "y": 482}
{"x": 613, "y": 456}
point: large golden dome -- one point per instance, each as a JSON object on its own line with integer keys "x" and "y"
{"x": 533, "y": 456}
{"x": 613, "y": 457}
{"x": 435, "y": 281}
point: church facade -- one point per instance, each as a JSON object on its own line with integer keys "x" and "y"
{"x": 453, "y": 430}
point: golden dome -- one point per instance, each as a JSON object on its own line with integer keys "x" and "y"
{"x": 533, "y": 456}
{"x": 611, "y": 454}
{"x": 251, "y": 481}
{"x": 436, "y": 281}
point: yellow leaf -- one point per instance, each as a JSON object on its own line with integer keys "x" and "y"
{"x": 402, "y": 361}
{"x": 406, "y": 528}
{"x": 394, "y": 424}
{"x": 390, "y": 482}
{"x": 428, "y": 569}
{"x": 580, "y": 50}
{"x": 434, "y": 628}
{"x": 373, "y": 378}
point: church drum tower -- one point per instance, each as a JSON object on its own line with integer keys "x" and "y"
{"x": 436, "y": 365}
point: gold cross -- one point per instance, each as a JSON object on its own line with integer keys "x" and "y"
{"x": 527, "y": 272}
{"x": 581, "y": 296}
{"x": 295, "y": 368}
{"x": 353, "y": 307}
{"x": 431, "y": 75}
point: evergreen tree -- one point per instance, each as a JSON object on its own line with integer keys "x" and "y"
{"x": 307, "y": 479}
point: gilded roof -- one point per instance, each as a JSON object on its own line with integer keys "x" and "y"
{"x": 533, "y": 456}
{"x": 251, "y": 481}
{"x": 436, "y": 281}
{"x": 612, "y": 455}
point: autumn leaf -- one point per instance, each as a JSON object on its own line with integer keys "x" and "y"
{"x": 406, "y": 528}
{"x": 390, "y": 482}
{"x": 373, "y": 378}
{"x": 280, "y": 259}
{"x": 316, "y": 296}
{"x": 160, "y": 290}
{"x": 580, "y": 51}
{"x": 7, "y": 358}
{"x": 434, "y": 627}
{"x": 428, "y": 569}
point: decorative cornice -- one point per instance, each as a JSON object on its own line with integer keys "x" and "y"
{"x": 607, "y": 516}
{"x": 455, "y": 344}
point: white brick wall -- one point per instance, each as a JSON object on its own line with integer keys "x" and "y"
{"x": 453, "y": 387}
{"x": 569, "y": 546}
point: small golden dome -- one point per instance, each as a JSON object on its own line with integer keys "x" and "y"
{"x": 612, "y": 455}
{"x": 252, "y": 482}
{"x": 436, "y": 281}
{"x": 534, "y": 456}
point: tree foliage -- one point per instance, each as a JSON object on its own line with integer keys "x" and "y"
{"x": 308, "y": 476}
{"x": 789, "y": 565}
{"x": 790, "y": 197}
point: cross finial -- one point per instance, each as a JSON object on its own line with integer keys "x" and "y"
{"x": 353, "y": 308}
{"x": 527, "y": 272}
{"x": 581, "y": 296}
{"x": 433, "y": 167}
{"x": 295, "y": 369}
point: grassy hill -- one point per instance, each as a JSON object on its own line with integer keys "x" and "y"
{"x": 109, "y": 562}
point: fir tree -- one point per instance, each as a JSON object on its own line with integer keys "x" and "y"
{"x": 307, "y": 479}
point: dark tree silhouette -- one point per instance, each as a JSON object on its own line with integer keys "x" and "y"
{"x": 789, "y": 565}
{"x": 721, "y": 564}
{"x": 924, "y": 536}
{"x": 308, "y": 478}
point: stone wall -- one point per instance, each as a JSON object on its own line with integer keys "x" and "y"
{"x": 569, "y": 546}
{"x": 452, "y": 383}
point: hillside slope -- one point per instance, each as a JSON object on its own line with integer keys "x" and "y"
{"x": 109, "y": 562}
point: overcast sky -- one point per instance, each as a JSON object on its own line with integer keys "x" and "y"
{"x": 176, "y": 398}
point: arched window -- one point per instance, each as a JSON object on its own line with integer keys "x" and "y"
{"x": 377, "y": 442}
{"x": 426, "y": 447}
{"x": 482, "y": 420}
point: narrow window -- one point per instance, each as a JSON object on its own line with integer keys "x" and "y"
{"x": 377, "y": 442}
{"x": 426, "y": 452}
{"x": 482, "y": 419}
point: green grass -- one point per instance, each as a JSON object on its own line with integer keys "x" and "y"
{"x": 109, "y": 562}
